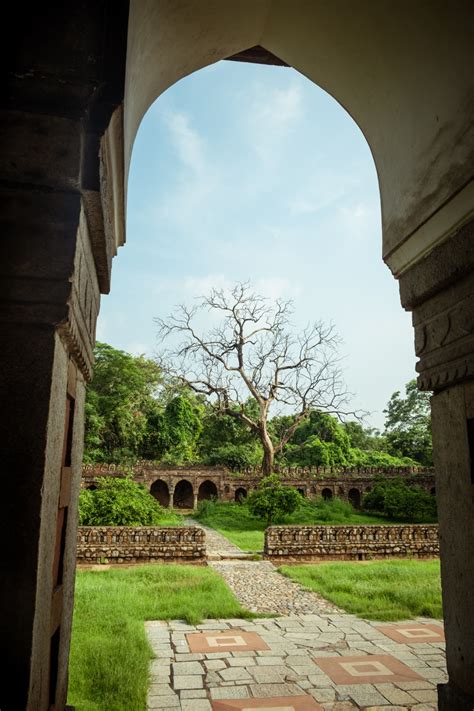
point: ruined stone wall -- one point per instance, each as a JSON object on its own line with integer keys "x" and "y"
{"x": 306, "y": 543}
{"x": 141, "y": 544}
{"x": 348, "y": 483}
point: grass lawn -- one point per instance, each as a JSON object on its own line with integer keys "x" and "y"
{"x": 377, "y": 590}
{"x": 109, "y": 650}
{"x": 236, "y": 523}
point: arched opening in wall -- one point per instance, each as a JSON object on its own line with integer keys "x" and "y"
{"x": 326, "y": 494}
{"x": 183, "y": 497}
{"x": 301, "y": 491}
{"x": 207, "y": 490}
{"x": 91, "y": 487}
{"x": 159, "y": 489}
{"x": 197, "y": 181}
{"x": 240, "y": 494}
{"x": 354, "y": 498}
{"x": 433, "y": 491}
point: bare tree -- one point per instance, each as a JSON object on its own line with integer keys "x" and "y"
{"x": 254, "y": 352}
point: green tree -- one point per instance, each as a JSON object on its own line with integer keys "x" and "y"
{"x": 118, "y": 502}
{"x": 271, "y": 501}
{"x": 228, "y": 441}
{"x": 118, "y": 403}
{"x": 182, "y": 426}
{"x": 408, "y": 425}
{"x": 319, "y": 441}
{"x": 364, "y": 438}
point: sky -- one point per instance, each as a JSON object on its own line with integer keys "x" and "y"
{"x": 247, "y": 172}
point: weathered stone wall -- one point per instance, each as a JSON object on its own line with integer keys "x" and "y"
{"x": 305, "y": 543}
{"x": 349, "y": 483}
{"x": 141, "y": 544}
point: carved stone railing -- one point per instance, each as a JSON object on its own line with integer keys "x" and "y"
{"x": 141, "y": 544}
{"x": 301, "y": 543}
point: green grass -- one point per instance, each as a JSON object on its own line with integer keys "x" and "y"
{"x": 109, "y": 650}
{"x": 171, "y": 518}
{"x": 378, "y": 590}
{"x": 236, "y": 523}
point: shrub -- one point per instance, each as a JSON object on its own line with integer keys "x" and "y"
{"x": 119, "y": 502}
{"x": 395, "y": 499}
{"x": 272, "y": 501}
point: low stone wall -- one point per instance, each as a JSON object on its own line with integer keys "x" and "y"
{"x": 307, "y": 543}
{"x": 141, "y": 544}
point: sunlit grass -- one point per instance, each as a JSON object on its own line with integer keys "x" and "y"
{"x": 377, "y": 590}
{"x": 109, "y": 651}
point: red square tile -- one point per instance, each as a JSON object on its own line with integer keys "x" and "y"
{"x": 228, "y": 641}
{"x": 373, "y": 669}
{"x": 408, "y": 633}
{"x": 276, "y": 703}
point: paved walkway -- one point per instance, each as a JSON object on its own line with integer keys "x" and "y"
{"x": 218, "y": 546}
{"x": 313, "y": 658}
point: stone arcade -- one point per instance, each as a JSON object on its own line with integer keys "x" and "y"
{"x": 184, "y": 487}
{"x": 80, "y": 76}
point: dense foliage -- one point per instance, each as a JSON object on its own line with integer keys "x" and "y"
{"x": 271, "y": 501}
{"x": 395, "y": 499}
{"x": 133, "y": 412}
{"x": 119, "y": 502}
{"x": 408, "y": 425}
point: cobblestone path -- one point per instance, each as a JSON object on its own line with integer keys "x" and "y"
{"x": 261, "y": 589}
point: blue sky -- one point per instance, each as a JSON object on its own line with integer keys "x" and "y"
{"x": 247, "y": 172}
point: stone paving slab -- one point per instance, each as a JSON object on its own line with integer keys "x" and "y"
{"x": 289, "y": 665}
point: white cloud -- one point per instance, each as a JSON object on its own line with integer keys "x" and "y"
{"x": 188, "y": 143}
{"x": 272, "y": 115}
{"x": 323, "y": 191}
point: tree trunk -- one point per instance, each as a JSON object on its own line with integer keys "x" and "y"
{"x": 268, "y": 452}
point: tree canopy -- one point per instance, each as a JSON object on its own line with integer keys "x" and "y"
{"x": 136, "y": 411}
{"x": 408, "y": 425}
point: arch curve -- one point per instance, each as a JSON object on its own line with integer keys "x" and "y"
{"x": 183, "y": 496}
{"x": 160, "y": 491}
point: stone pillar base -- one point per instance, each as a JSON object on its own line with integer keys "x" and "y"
{"x": 450, "y": 698}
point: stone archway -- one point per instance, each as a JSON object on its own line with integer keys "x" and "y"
{"x": 183, "y": 497}
{"x": 207, "y": 491}
{"x": 417, "y": 125}
{"x": 159, "y": 489}
{"x": 301, "y": 491}
{"x": 327, "y": 494}
{"x": 354, "y": 498}
{"x": 240, "y": 494}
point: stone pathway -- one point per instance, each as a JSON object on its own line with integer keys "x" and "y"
{"x": 313, "y": 658}
{"x": 320, "y": 662}
{"x": 261, "y": 589}
{"x": 218, "y": 547}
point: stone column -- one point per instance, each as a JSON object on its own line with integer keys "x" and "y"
{"x": 171, "y": 490}
{"x": 195, "y": 504}
{"x": 55, "y": 256}
{"x": 440, "y": 292}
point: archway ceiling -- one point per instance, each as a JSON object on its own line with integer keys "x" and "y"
{"x": 405, "y": 76}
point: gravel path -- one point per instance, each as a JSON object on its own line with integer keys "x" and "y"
{"x": 261, "y": 589}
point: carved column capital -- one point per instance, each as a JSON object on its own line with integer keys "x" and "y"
{"x": 439, "y": 291}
